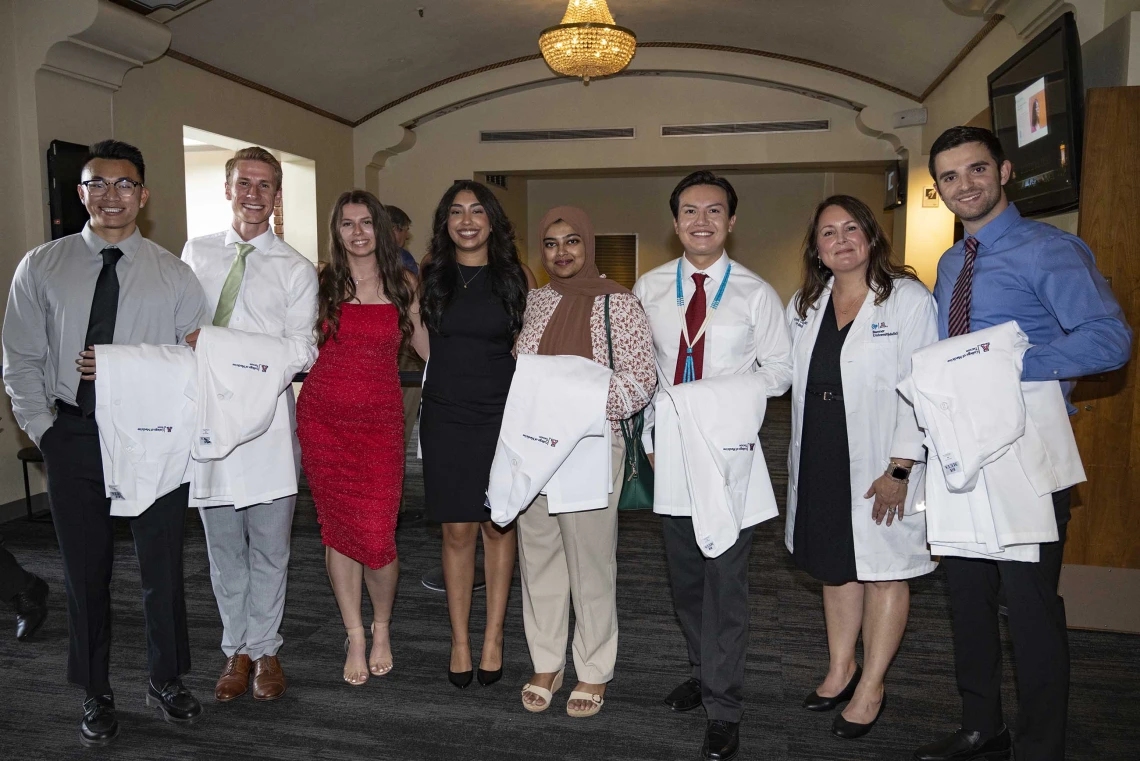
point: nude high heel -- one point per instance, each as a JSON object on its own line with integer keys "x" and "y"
{"x": 355, "y": 678}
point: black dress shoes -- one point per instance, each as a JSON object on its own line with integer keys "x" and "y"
{"x": 686, "y": 697}
{"x": 461, "y": 679}
{"x": 722, "y": 740}
{"x": 487, "y": 678}
{"x": 178, "y": 705}
{"x": 967, "y": 746}
{"x": 849, "y": 730}
{"x": 31, "y": 608}
{"x": 814, "y": 702}
{"x": 99, "y": 725}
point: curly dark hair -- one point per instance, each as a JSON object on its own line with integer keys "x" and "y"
{"x": 336, "y": 283}
{"x": 881, "y": 271}
{"x": 440, "y": 276}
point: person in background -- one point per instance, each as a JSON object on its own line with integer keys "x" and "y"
{"x": 472, "y": 298}
{"x": 401, "y": 231}
{"x": 350, "y": 423}
{"x": 855, "y": 322}
{"x": 1011, "y": 268}
{"x": 25, "y": 593}
{"x": 746, "y": 335}
{"x": 257, "y": 283}
{"x": 572, "y": 557}
{"x": 107, "y": 284}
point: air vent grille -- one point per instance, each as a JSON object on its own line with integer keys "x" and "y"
{"x": 538, "y": 135}
{"x": 745, "y": 128}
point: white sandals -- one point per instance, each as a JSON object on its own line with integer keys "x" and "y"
{"x": 543, "y": 693}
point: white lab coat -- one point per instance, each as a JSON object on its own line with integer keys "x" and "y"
{"x": 708, "y": 442}
{"x": 880, "y": 423}
{"x": 1002, "y": 446}
{"x": 145, "y": 412}
{"x": 554, "y": 438}
{"x": 245, "y": 419}
{"x": 278, "y": 298}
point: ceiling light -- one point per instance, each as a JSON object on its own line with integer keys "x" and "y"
{"x": 587, "y": 43}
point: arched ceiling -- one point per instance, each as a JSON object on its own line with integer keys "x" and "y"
{"x": 351, "y": 57}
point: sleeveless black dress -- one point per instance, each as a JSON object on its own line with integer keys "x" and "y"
{"x": 468, "y": 377}
{"x": 823, "y": 542}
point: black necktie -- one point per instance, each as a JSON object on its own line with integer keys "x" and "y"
{"x": 101, "y": 325}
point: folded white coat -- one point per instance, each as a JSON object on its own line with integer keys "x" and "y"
{"x": 554, "y": 438}
{"x": 708, "y": 431}
{"x": 245, "y": 418}
{"x": 999, "y": 447}
{"x": 145, "y": 413}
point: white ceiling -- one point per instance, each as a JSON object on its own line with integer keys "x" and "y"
{"x": 350, "y": 57}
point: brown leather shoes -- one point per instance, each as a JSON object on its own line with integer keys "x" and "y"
{"x": 234, "y": 680}
{"x": 268, "y": 678}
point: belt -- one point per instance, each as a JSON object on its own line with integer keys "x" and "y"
{"x": 64, "y": 408}
{"x": 827, "y": 396}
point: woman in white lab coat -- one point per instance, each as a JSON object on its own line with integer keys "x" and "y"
{"x": 854, "y": 463}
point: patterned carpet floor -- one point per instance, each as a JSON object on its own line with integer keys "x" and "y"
{"x": 414, "y": 713}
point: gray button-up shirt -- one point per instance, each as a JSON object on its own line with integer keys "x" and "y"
{"x": 49, "y": 306}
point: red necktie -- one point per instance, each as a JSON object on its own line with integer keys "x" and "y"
{"x": 694, "y": 317}
{"x": 959, "y": 321}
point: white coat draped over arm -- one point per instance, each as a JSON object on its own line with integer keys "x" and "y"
{"x": 881, "y": 424}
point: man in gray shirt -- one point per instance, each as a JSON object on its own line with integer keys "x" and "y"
{"x": 104, "y": 285}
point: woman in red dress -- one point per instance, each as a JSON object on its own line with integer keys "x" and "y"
{"x": 350, "y": 419}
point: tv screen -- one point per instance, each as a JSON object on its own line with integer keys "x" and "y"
{"x": 896, "y": 195}
{"x": 1036, "y": 105}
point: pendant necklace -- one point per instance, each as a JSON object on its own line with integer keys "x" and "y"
{"x": 467, "y": 282}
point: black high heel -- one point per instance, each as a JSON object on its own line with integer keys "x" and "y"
{"x": 849, "y": 730}
{"x": 815, "y": 702}
{"x": 461, "y": 679}
{"x": 487, "y": 678}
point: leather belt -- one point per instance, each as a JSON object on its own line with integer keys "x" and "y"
{"x": 827, "y": 396}
{"x": 71, "y": 410}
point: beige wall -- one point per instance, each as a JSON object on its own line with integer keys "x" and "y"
{"x": 771, "y": 217}
{"x": 159, "y": 99}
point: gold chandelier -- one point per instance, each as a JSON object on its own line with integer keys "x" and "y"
{"x": 587, "y": 43}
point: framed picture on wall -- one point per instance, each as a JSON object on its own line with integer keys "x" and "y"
{"x": 930, "y": 196}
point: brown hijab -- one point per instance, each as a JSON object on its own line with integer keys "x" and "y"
{"x": 568, "y": 331}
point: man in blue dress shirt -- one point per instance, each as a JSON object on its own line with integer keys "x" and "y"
{"x": 1011, "y": 268}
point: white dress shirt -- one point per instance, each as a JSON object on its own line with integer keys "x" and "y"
{"x": 278, "y": 298}
{"x": 746, "y": 334}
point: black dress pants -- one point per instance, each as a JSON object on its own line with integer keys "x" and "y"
{"x": 1040, "y": 644}
{"x": 13, "y": 578}
{"x": 711, "y": 599}
{"x": 85, "y": 531}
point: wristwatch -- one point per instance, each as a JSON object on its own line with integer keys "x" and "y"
{"x": 898, "y": 472}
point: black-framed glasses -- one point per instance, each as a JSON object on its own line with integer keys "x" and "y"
{"x": 99, "y": 186}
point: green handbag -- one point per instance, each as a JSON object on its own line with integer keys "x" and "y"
{"x": 637, "y": 488}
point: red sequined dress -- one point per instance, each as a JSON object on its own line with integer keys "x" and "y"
{"x": 350, "y": 422}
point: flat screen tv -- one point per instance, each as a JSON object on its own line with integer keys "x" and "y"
{"x": 1037, "y": 109}
{"x": 896, "y": 194}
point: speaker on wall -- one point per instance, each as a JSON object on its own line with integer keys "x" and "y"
{"x": 65, "y": 169}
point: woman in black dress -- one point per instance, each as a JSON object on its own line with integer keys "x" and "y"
{"x": 473, "y": 296}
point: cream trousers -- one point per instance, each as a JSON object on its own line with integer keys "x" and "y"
{"x": 572, "y": 557}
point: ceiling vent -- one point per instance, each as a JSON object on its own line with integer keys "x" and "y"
{"x": 542, "y": 135}
{"x": 745, "y": 128}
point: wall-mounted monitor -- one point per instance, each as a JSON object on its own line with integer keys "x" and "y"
{"x": 896, "y": 191}
{"x": 1037, "y": 109}
{"x": 65, "y": 170}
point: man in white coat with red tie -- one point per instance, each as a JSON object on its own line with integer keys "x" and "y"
{"x": 733, "y": 322}
{"x": 256, "y": 283}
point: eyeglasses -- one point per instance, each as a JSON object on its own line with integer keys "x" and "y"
{"x": 99, "y": 186}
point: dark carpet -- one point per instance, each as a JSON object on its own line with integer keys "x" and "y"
{"x": 413, "y": 713}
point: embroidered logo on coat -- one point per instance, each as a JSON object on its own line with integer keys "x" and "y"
{"x": 741, "y": 448}
{"x": 881, "y": 330}
{"x": 971, "y": 352}
{"x": 542, "y": 440}
{"x": 157, "y": 429}
{"x": 255, "y": 366}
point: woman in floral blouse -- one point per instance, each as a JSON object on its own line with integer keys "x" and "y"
{"x": 572, "y": 556}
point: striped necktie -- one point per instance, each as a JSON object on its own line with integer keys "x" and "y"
{"x": 959, "y": 321}
{"x": 232, "y": 287}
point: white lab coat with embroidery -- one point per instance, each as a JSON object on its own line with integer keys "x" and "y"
{"x": 999, "y": 446}
{"x": 554, "y": 439}
{"x": 278, "y": 298}
{"x": 880, "y": 423}
{"x": 244, "y": 419}
{"x": 746, "y": 336}
{"x": 144, "y": 406}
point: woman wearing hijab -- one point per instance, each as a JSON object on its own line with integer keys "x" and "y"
{"x": 572, "y": 556}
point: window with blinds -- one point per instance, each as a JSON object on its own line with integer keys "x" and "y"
{"x": 616, "y": 257}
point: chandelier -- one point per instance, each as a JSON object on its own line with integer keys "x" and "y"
{"x": 587, "y": 43}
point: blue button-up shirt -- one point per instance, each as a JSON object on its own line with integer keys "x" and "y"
{"x": 1047, "y": 281}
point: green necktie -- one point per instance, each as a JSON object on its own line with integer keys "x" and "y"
{"x": 232, "y": 287}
